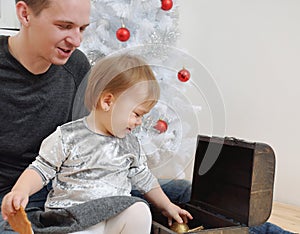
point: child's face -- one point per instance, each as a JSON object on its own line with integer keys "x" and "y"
{"x": 119, "y": 114}
{"x": 124, "y": 121}
{"x": 126, "y": 114}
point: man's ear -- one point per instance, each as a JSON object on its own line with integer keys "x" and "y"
{"x": 23, "y": 13}
{"x": 106, "y": 101}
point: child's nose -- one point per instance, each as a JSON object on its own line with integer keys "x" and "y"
{"x": 139, "y": 121}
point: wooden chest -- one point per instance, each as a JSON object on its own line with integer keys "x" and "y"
{"x": 232, "y": 186}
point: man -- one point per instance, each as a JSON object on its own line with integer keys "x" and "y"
{"x": 40, "y": 71}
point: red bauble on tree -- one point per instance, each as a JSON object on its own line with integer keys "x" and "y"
{"x": 184, "y": 75}
{"x": 123, "y": 34}
{"x": 166, "y": 4}
{"x": 161, "y": 126}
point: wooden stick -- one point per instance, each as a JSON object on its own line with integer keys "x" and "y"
{"x": 196, "y": 229}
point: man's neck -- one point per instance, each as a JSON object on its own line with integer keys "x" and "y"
{"x": 24, "y": 54}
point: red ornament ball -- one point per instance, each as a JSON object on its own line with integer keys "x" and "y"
{"x": 161, "y": 126}
{"x": 184, "y": 75}
{"x": 123, "y": 34}
{"x": 166, "y": 4}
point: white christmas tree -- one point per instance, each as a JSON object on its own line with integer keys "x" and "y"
{"x": 146, "y": 21}
{"x": 153, "y": 34}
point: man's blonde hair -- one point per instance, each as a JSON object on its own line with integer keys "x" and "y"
{"x": 117, "y": 73}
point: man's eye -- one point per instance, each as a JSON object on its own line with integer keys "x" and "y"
{"x": 65, "y": 26}
{"x": 82, "y": 29}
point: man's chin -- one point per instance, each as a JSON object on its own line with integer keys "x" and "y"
{"x": 60, "y": 62}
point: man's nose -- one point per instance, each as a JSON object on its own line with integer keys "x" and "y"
{"x": 75, "y": 37}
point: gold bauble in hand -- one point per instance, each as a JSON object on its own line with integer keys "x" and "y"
{"x": 183, "y": 228}
{"x": 179, "y": 227}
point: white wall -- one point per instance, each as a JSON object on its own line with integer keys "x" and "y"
{"x": 252, "y": 48}
{"x": 8, "y": 18}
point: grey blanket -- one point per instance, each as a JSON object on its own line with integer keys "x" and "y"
{"x": 79, "y": 217}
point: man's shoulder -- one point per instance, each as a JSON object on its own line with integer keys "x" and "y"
{"x": 78, "y": 58}
{"x": 3, "y": 44}
{"x": 78, "y": 66}
{"x": 3, "y": 38}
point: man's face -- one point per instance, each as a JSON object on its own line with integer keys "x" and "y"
{"x": 57, "y": 31}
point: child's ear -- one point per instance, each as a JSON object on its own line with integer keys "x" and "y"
{"x": 106, "y": 101}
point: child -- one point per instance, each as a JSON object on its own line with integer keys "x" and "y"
{"x": 94, "y": 161}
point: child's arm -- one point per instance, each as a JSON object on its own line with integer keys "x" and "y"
{"x": 159, "y": 199}
{"x": 28, "y": 183}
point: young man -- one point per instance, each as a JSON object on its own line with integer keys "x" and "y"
{"x": 40, "y": 71}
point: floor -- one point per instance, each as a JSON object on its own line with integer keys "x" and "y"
{"x": 286, "y": 217}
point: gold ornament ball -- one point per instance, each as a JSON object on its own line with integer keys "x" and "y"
{"x": 179, "y": 227}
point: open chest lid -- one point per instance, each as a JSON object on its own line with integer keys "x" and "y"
{"x": 234, "y": 179}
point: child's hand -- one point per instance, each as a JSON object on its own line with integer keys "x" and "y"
{"x": 12, "y": 202}
{"x": 173, "y": 211}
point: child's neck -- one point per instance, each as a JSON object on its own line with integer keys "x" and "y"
{"x": 93, "y": 126}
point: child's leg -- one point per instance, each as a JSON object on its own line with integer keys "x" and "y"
{"x": 135, "y": 219}
{"x": 96, "y": 229}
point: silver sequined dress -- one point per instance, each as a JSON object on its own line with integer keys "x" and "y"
{"x": 85, "y": 165}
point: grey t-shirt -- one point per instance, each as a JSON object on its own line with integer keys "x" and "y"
{"x": 31, "y": 107}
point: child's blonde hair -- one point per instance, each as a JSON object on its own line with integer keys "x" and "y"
{"x": 117, "y": 73}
